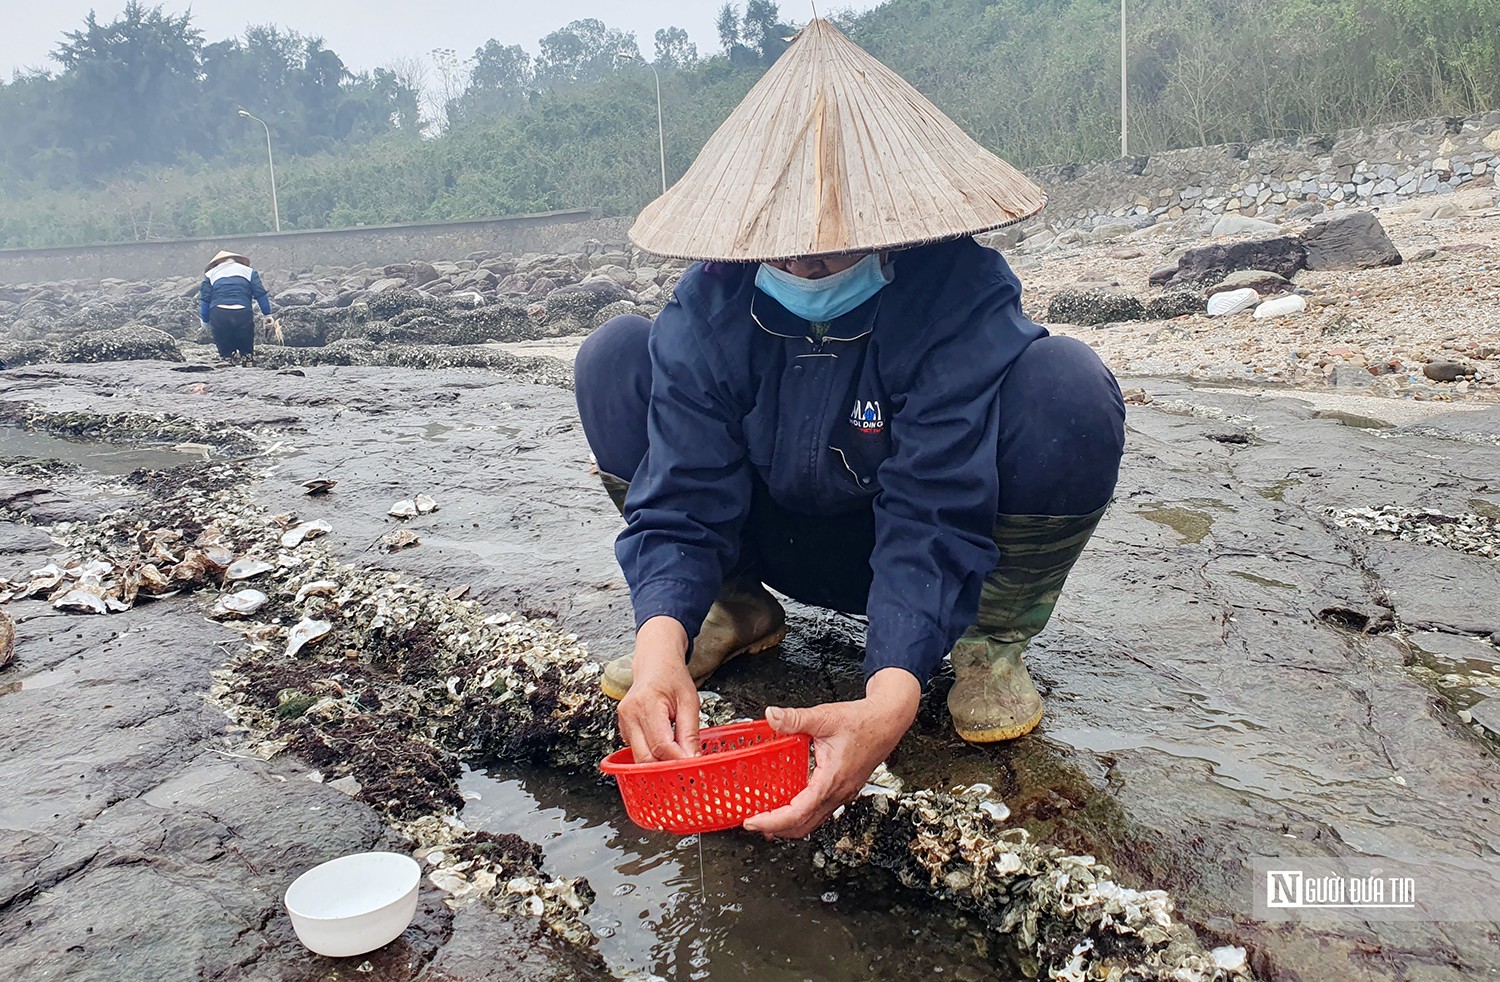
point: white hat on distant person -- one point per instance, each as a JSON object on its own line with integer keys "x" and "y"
{"x": 225, "y": 257}
{"x": 832, "y": 152}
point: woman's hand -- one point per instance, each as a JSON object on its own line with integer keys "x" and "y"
{"x": 659, "y": 715}
{"x": 851, "y": 739}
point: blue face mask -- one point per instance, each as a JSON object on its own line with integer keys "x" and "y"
{"x": 820, "y": 301}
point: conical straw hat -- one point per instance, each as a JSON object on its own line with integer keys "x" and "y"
{"x": 832, "y": 152}
{"x": 225, "y": 255}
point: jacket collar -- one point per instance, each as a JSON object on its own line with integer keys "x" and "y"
{"x": 775, "y": 319}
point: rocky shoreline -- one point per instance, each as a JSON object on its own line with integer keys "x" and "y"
{"x": 1299, "y": 495}
{"x": 1225, "y": 587}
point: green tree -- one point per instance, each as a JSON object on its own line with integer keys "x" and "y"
{"x": 674, "y": 50}
{"x": 129, "y": 88}
{"x": 584, "y": 51}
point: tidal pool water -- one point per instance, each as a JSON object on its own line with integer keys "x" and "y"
{"x": 752, "y": 910}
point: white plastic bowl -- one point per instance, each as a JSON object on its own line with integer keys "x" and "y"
{"x": 354, "y": 904}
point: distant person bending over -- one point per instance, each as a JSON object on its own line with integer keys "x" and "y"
{"x": 229, "y": 286}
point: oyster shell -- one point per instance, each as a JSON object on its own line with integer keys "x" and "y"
{"x": 398, "y": 539}
{"x": 294, "y": 537}
{"x": 426, "y": 504}
{"x": 305, "y": 633}
{"x": 318, "y": 485}
{"x": 244, "y": 569}
{"x": 403, "y": 509}
{"x": 81, "y": 598}
{"x": 317, "y": 588}
{"x": 241, "y": 604}
{"x": 43, "y": 579}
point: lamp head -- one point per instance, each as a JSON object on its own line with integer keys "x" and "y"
{"x": 243, "y": 113}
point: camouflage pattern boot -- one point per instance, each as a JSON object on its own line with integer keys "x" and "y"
{"x": 993, "y": 697}
{"x": 744, "y": 620}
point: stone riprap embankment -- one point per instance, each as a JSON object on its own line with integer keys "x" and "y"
{"x": 1356, "y": 168}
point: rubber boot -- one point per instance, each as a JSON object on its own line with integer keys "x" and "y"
{"x": 744, "y": 620}
{"x": 993, "y": 697}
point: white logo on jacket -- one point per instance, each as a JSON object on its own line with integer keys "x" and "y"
{"x": 866, "y": 417}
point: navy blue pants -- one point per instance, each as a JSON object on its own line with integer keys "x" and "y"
{"x": 1062, "y": 433}
{"x": 233, "y": 331}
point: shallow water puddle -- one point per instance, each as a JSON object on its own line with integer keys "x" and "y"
{"x": 760, "y": 910}
{"x": 26, "y": 446}
{"x": 1192, "y": 524}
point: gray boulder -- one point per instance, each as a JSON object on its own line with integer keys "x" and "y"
{"x": 1354, "y": 240}
{"x": 1262, "y": 281}
{"x": 389, "y": 283}
{"x": 1284, "y": 256}
{"x": 297, "y": 296}
{"x": 423, "y": 273}
{"x": 584, "y": 300}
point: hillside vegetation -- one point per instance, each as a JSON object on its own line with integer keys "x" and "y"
{"x": 165, "y": 155}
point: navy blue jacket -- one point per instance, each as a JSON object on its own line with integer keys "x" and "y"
{"x": 896, "y": 403}
{"x": 231, "y": 284}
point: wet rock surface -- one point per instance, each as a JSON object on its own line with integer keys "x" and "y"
{"x": 1226, "y": 675}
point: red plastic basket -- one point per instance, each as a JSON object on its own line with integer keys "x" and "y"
{"x": 744, "y": 769}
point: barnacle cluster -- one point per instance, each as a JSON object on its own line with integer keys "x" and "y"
{"x": 1477, "y": 535}
{"x": 540, "y": 369}
{"x": 1065, "y": 911}
{"x": 130, "y": 343}
{"x": 164, "y": 428}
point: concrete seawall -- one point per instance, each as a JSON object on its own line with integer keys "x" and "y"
{"x": 284, "y": 253}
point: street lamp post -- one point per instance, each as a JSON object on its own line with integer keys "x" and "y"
{"x": 661, "y": 133}
{"x": 1124, "y": 108}
{"x": 275, "y": 208}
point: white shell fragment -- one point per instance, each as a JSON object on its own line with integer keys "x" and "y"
{"x": 426, "y": 504}
{"x": 1281, "y": 306}
{"x": 43, "y": 579}
{"x": 1231, "y": 958}
{"x": 244, "y": 569}
{"x": 80, "y": 598}
{"x": 397, "y": 539}
{"x": 305, "y": 633}
{"x": 1232, "y": 302}
{"x": 294, "y": 537}
{"x": 317, "y": 588}
{"x": 403, "y": 509}
{"x": 241, "y": 604}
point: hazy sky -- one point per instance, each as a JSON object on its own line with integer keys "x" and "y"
{"x": 371, "y": 33}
